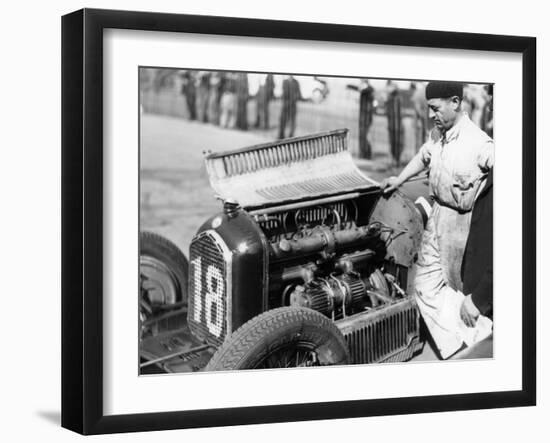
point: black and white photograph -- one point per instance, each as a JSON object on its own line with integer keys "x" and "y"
{"x": 296, "y": 220}
{"x": 278, "y": 220}
{"x": 259, "y": 222}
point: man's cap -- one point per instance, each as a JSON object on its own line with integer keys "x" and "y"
{"x": 444, "y": 90}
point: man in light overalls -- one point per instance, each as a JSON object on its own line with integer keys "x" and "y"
{"x": 459, "y": 156}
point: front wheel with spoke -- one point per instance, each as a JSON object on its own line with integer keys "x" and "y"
{"x": 294, "y": 355}
{"x": 163, "y": 275}
{"x": 282, "y": 338}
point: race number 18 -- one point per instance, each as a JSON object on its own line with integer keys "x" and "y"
{"x": 212, "y": 302}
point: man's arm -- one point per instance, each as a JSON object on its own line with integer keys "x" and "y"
{"x": 414, "y": 167}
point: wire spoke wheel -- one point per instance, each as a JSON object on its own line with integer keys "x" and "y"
{"x": 291, "y": 356}
{"x": 158, "y": 281}
{"x": 163, "y": 275}
{"x": 288, "y": 337}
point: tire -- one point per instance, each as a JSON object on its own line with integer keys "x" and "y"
{"x": 164, "y": 268}
{"x": 283, "y": 337}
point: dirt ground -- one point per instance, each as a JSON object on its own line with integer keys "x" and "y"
{"x": 175, "y": 195}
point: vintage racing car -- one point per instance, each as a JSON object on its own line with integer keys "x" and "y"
{"x": 307, "y": 264}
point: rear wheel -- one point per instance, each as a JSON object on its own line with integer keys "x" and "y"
{"x": 282, "y": 338}
{"x": 163, "y": 271}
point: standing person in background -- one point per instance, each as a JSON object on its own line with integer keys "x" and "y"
{"x": 228, "y": 102}
{"x": 474, "y": 103}
{"x": 290, "y": 96}
{"x": 459, "y": 156}
{"x": 366, "y": 111}
{"x": 395, "y": 124}
{"x": 203, "y": 87}
{"x": 214, "y": 97}
{"x": 421, "y": 113}
{"x": 263, "y": 97}
{"x": 242, "y": 100}
{"x": 487, "y": 115}
{"x": 188, "y": 90}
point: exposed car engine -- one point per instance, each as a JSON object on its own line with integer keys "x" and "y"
{"x": 302, "y": 227}
{"x": 325, "y": 260}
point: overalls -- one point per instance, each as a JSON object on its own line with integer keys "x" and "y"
{"x": 458, "y": 163}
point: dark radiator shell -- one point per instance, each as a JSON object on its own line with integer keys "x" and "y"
{"x": 249, "y": 277}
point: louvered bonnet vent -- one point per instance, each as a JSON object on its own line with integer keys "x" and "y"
{"x": 287, "y": 170}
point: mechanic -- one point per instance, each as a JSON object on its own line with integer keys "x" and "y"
{"x": 458, "y": 155}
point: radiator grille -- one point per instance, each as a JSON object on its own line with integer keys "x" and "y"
{"x": 209, "y": 313}
{"x": 388, "y": 334}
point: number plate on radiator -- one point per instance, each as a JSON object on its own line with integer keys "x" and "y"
{"x": 209, "y": 314}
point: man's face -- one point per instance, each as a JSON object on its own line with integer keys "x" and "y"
{"x": 444, "y": 112}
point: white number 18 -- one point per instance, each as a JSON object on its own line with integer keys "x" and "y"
{"x": 213, "y": 299}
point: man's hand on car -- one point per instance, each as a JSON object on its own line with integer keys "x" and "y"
{"x": 390, "y": 184}
{"x": 469, "y": 312}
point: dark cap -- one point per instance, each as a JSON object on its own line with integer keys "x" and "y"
{"x": 444, "y": 90}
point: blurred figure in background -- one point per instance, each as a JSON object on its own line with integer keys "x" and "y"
{"x": 290, "y": 96}
{"x": 474, "y": 102}
{"x": 487, "y": 114}
{"x": 421, "y": 126}
{"x": 395, "y": 124}
{"x": 214, "y": 97}
{"x": 263, "y": 97}
{"x": 228, "y": 102}
{"x": 188, "y": 90}
{"x": 203, "y": 86}
{"x": 366, "y": 111}
{"x": 242, "y": 100}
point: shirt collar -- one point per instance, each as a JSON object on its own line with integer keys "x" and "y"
{"x": 454, "y": 132}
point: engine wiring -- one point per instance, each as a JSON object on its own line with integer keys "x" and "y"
{"x": 337, "y": 216}
{"x": 321, "y": 215}
{"x": 385, "y": 228}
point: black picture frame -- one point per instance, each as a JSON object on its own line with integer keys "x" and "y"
{"x": 82, "y": 220}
